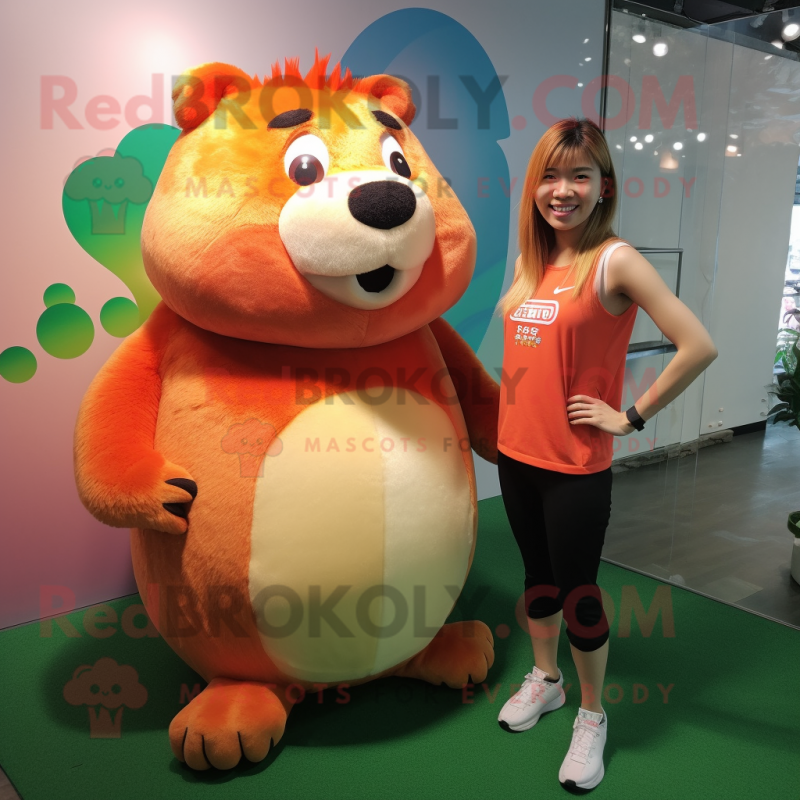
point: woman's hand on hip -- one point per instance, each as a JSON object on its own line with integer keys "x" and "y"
{"x": 583, "y": 409}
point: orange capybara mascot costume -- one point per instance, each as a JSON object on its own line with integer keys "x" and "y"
{"x": 289, "y": 433}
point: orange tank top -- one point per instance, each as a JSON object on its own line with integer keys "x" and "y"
{"x": 556, "y": 347}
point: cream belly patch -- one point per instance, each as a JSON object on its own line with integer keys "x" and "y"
{"x": 359, "y": 570}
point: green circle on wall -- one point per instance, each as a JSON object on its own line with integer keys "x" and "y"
{"x": 65, "y": 331}
{"x": 17, "y": 364}
{"x": 58, "y": 293}
{"x": 119, "y": 316}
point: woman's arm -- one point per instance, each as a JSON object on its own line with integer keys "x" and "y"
{"x": 631, "y": 274}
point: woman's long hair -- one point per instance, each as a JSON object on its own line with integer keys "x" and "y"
{"x": 564, "y": 142}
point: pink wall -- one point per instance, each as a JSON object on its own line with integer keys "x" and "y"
{"x": 46, "y": 536}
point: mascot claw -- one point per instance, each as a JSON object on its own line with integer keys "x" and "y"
{"x": 460, "y": 653}
{"x": 228, "y": 720}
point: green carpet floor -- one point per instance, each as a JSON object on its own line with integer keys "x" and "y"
{"x": 702, "y": 700}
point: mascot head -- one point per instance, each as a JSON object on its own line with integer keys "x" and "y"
{"x": 303, "y": 211}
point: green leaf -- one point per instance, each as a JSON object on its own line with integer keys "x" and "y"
{"x": 779, "y": 407}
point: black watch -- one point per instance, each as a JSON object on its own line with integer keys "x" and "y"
{"x": 633, "y": 417}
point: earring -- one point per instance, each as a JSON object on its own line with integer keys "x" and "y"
{"x": 600, "y": 200}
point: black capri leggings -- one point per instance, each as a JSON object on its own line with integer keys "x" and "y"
{"x": 559, "y": 521}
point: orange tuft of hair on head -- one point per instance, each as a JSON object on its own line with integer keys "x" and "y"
{"x": 316, "y": 77}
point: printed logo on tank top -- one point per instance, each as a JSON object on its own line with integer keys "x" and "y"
{"x": 543, "y": 312}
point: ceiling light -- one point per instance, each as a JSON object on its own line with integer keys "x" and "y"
{"x": 633, "y": 138}
{"x": 668, "y": 162}
{"x": 639, "y": 38}
{"x": 731, "y": 148}
{"x": 660, "y": 49}
{"x": 791, "y": 31}
{"x": 701, "y": 137}
{"x": 678, "y": 146}
{"x": 777, "y": 43}
{"x": 649, "y": 137}
{"x": 734, "y": 136}
{"x": 638, "y": 145}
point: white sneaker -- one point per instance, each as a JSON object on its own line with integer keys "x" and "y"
{"x": 536, "y": 697}
{"x": 583, "y": 764}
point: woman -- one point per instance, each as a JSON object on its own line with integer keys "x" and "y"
{"x": 568, "y": 320}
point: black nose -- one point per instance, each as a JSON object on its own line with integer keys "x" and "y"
{"x": 382, "y": 204}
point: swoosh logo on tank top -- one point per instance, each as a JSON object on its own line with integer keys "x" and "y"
{"x": 564, "y": 289}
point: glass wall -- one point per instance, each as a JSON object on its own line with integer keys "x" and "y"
{"x": 789, "y": 316}
{"x": 704, "y": 127}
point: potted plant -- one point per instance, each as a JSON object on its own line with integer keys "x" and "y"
{"x": 787, "y": 390}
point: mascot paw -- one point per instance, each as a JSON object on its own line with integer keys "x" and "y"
{"x": 227, "y": 720}
{"x": 460, "y": 653}
{"x": 180, "y": 508}
{"x": 160, "y": 493}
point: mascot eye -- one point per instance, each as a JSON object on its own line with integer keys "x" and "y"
{"x": 306, "y": 169}
{"x": 394, "y": 158}
{"x": 306, "y": 160}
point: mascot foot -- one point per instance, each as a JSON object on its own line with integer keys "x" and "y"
{"x": 227, "y": 720}
{"x": 460, "y": 653}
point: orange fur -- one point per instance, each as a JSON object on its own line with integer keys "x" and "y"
{"x": 478, "y": 393}
{"x": 237, "y": 323}
{"x": 236, "y": 222}
{"x": 202, "y": 398}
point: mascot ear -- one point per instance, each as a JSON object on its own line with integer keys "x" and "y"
{"x": 198, "y": 91}
{"x": 394, "y": 94}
